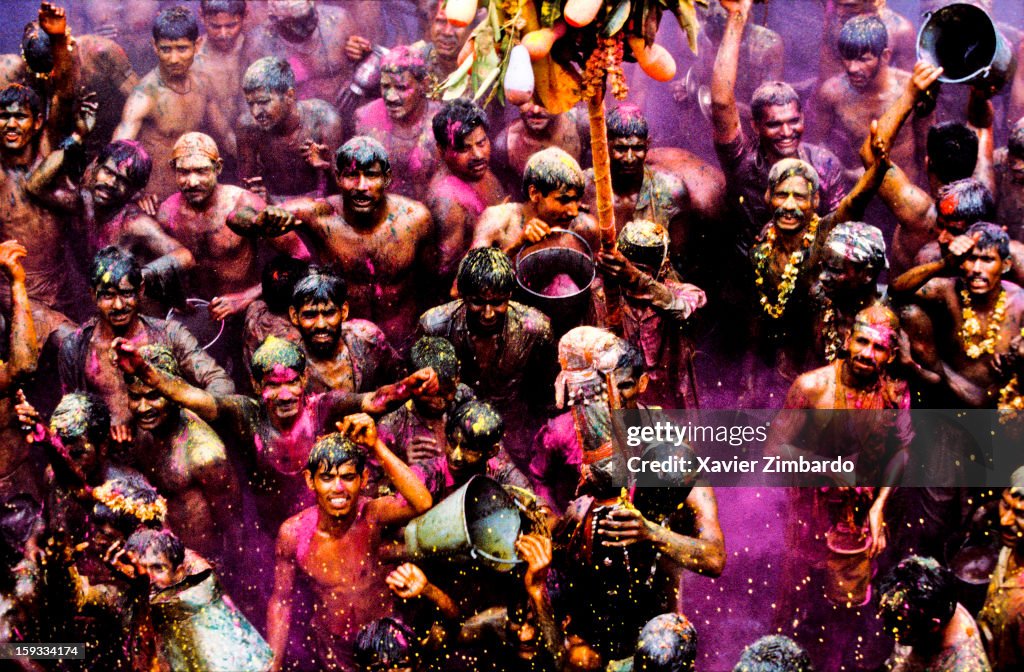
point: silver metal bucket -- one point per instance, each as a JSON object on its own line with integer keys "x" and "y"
{"x": 963, "y": 40}
{"x": 539, "y": 266}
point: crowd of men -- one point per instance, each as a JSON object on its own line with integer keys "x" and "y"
{"x": 265, "y": 302}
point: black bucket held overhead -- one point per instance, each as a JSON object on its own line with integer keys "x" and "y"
{"x": 963, "y": 40}
{"x": 555, "y": 274}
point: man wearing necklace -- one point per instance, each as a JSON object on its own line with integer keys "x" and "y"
{"x": 985, "y": 313}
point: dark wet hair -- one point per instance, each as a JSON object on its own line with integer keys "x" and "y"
{"x": 22, "y": 95}
{"x": 176, "y": 23}
{"x": 161, "y": 358}
{"x": 456, "y": 120}
{"x": 159, "y": 541}
{"x": 131, "y": 158}
{"x": 952, "y": 151}
{"x": 271, "y": 73}
{"x": 627, "y": 120}
{"x": 915, "y": 592}
{"x": 110, "y": 265}
{"x": 332, "y": 451}
{"x": 967, "y": 200}
{"x": 81, "y": 414}
{"x": 770, "y": 94}
{"x": 384, "y": 642}
{"x": 235, "y": 7}
{"x": 774, "y": 653}
{"x": 35, "y": 49}
{"x": 319, "y": 286}
{"x": 1015, "y": 145}
{"x": 667, "y": 643}
{"x": 481, "y": 425}
{"x": 485, "y": 269}
{"x": 632, "y": 358}
{"x": 863, "y": 35}
{"x": 437, "y": 353}
{"x": 274, "y": 352}
{"x": 405, "y": 59}
{"x": 992, "y": 235}
{"x": 124, "y": 513}
{"x": 360, "y": 153}
{"x": 278, "y": 280}
{"x": 552, "y": 169}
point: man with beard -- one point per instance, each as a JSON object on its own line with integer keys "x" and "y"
{"x": 778, "y": 124}
{"x": 280, "y": 137}
{"x": 342, "y": 354}
{"x": 172, "y": 99}
{"x": 1001, "y": 619}
{"x": 465, "y": 185}
{"x": 534, "y": 130}
{"x": 399, "y": 120}
{"x": 84, "y": 363}
{"x": 902, "y": 34}
{"x": 312, "y": 39}
{"x": 226, "y": 272}
{"x": 553, "y": 185}
{"x": 845, "y": 104}
{"x": 983, "y": 312}
{"x": 377, "y": 240}
{"x": 1009, "y": 169}
{"x": 447, "y": 40}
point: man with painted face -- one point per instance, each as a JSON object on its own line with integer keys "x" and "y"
{"x": 845, "y": 104}
{"x": 277, "y": 135}
{"x": 553, "y": 187}
{"x": 336, "y": 543}
{"x": 378, "y": 240}
{"x": 1001, "y": 619}
{"x": 933, "y": 631}
{"x": 221, "y": 53}
{"x": 984, "y": 313}
{"x": 226, "y": 272}
{"x": 117, "y": 284}
{"x": 461, "y": 191}
{"x": 902, "y": 34}
{"x": 505, "y": 347}
{"x": 172, "y": 99}
{"x": 447, "y": 41}
{"x": 778, "y": 123}
{"x": 400, "y": 120}
{"x": 534, "y": 130}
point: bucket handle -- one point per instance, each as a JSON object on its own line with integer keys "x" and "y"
{"x": 200, "y": 303}
{"x": 478, "y": 554}
{"x": 556, "y": 229}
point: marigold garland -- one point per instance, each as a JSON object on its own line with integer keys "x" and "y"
{"x": 971, "y": 327}
{"x": 762, "y": 257}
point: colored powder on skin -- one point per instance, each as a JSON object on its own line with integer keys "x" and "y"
{"x": 561, "y": 285}
{"x": 277, "y": 355}
{"x": 70, "y": 420}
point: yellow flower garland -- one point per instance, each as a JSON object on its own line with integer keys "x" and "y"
{"x": 972, "y": 326}
{"x": 763, "y": 255}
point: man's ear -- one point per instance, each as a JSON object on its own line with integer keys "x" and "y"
{"x": 344, "y": 311}
{"x": 1007, "y": 265}
{"x": 293, "y": 316}
{"x": 309, "y": 479}
{"x": 533, "y": 193}
{"x": 816, "y": 200}
{"x": 642, "y": 383}
{"x": 219, "y": 166}
{"x": 289, "y": 96}
{"x": 886, "y": 56}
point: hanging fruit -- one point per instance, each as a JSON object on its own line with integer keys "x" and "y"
{"x": 579, "y": 13}
{"x": 460, "y": 12}
{"x": 539, "y": 42}
{"x": 654, "y": 60}
{"x": 519, "y": 81}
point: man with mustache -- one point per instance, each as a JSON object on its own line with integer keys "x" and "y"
{"x": 281, "y": 136}
{"x": 400, "y": 120}
{"x": 377, "y": 240}
{"x": 220, "y": 56}
{"x": 902, "y": 34}
{"x": 534, "y": 130}
{"x": 984, "y": 312}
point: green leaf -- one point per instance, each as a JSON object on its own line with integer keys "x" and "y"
{"x": 686, "y": 15}
{"x": 617, "y": 19}
{"x": 550, "y": 12}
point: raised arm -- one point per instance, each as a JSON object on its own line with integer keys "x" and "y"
{"x": 24, "y": 346}
{"x": 178, "y": 390}
{"x": 725, "y": 116}
{"x": 854, "y": 203}
{"x": 980, "y": 119}
{"x": 918, "y": 280}
{"x": 279, "y": 609}
{"x": 137, "y": 109}
{"x": 47, "y": 181}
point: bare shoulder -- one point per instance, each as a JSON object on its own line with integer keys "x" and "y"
{"x": 813, "y": 384}
{"x": 315, "y": 112}
{"x": 294, "y": 530}
{"x": 832, "y": 89}
{"x": 499, "y": 215}
{"x": 237, "y": 197}
{"x": 417, "y": 214}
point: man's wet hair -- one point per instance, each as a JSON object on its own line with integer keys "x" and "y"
{"x": 134, "y": 496}
{"x": 632, "y": 358}
{"x": 276, "y": 352}
{"x": 36, "y": 49}
{"x": 81, "y": 414}
{"x": 952, "y": 151}
{"x": 917, "y": 594}
{"x": 163, "y": 542}
{"x": 1015, "y": 145}
{"x": 967, "y": 200}
{"x": 667, "y": 643}
{"x": 21, "y": 95}
{"x": 132, "y": 159}
{"x": 485, "y": 269}
{"x": 271, "y": 73}
{"x": 771, "y": 94}
{"x": 384, "y": 643}
{"x": 319, "y": 286}
{"x": 481, "y": 424}
{"x": 552, "y": 169}
{"x": 456, "y": 120}
{"x": 110, "y": 265}
{"x": 437, "y": 353}
{"x": 332, "y": 451}
{"x": 990, "y": 236}
{"x": 774, "y": 653}
{"x": 278, "y": 280}
{"x": 405, "y": 59}
{"x": 176, "y": 23}
{"x": 160, "y": 357}
{"x": 360, "y": 153}
{"x": 626, "y": 121}
{"x": 233, "y": 7}
{"x": 861, "y": 35}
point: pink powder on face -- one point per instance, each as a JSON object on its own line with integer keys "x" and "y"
{"x": 453, "y": 128}
{"x": 281, "y": 375}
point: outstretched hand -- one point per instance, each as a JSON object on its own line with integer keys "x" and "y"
{"x": 925, "y": 74}
{"x": 85, "y": 114}
{"x": 11, "y": 254}
{"x": 535, "y": 550}
{"x": 125, "y": 355}
{"x": 879, "y": 147}
{"x": 408, "y": 581}
{"x": 275, "y": 221}
{"x": 52, "y": 19}
{"x": 360, "y": 428}
{"x": 316, "y": 155}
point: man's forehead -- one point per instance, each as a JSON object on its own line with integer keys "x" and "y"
{"x": 194, "y": 162}
{"x": 289, "y": 9}
{"x": 319, "y": 307}
{"x": 781, "y": 112}
{"x": 797, "y": 183}
{"x": 342, "y": 469}
{"x": 174, "y": 42}
{"x": 15, "y": 107}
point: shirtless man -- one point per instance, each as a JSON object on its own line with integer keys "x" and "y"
{"x": 845, "y": 104}
{"x": 127, "y": 22}
{"x": 902, "y": 34}
{"x": 336, "y": 545}
{"x": 465, "y": 185}
{"x": 984, "y": 312}
{"x": 1009, "y": 166}
{"x": 400, "y": 120}
{"x": 226, "y": 271}
{"x": 447, "y": 40}
{"x": 277, "y": 133}
{"x": 220, "y": 56}
{"x": 553, "y": 184}
{"x": 378, "y": 240}
{"x": 172, "y": 99}
{"x": 534, "y": 130}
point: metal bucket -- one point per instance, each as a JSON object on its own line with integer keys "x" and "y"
{"x": 479, "y": 519}
{"x": 963, "y": 40}
{"x": 973, "y": 566}
{"x": 848, "y": 568}
{"x": 562, "y": 254}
